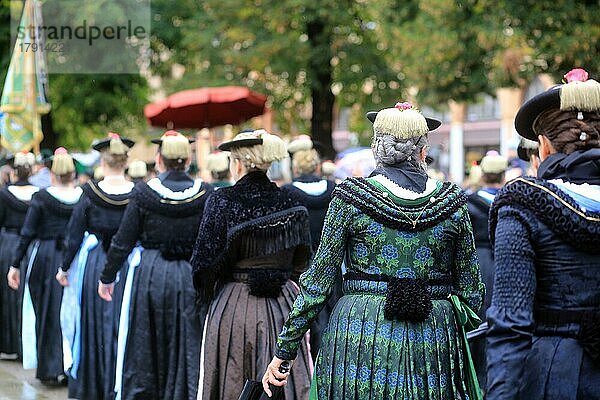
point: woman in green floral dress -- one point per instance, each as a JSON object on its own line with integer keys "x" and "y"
{"x": 407, "y": 244}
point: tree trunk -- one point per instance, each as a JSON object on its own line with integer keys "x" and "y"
{"x": 321, "y": 77}
{"x": 50, "y": 140}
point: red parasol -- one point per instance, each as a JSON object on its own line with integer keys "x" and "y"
{"x": 206, "y": 108}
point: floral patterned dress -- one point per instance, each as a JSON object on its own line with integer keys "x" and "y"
{"x": 384, "y": 230}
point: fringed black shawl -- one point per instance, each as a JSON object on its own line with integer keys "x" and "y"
{"x": 250, "y": 219}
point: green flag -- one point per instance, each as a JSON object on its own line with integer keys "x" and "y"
{"x": 23, "y": 99}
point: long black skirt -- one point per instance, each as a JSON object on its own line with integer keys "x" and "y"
{"x": 95, "y": 376}
{"x": 10, "y": 300}
{"x": 46, "y": 296}
{"x": 162, "y": 356}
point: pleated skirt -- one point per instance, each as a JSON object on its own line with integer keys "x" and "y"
{"x": 10, "y": 300}
{"x": 162, "y": 356}
{"x": 364, "y": 356}
{"x": 558, "y": 368}
{"x": 46, "y": 295}
{"x": 240, "y": 342}
{"x": 99, "y": 332}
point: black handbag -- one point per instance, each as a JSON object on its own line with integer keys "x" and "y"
{"x": 253, "y": 390}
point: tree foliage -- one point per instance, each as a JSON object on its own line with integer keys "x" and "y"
{"x": 437, "y": 44}
{"x": 529, "y": 37}
{"x": 289, "y": 49}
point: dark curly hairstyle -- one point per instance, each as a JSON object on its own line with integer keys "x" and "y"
{"x": 564, "y": 130}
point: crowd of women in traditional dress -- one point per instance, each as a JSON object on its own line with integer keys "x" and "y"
{"x": 174, "y": 288}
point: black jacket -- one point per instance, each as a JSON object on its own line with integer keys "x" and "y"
{"x": 253, "y": 218}
{"x": 97, "y": 212}
{"x": 170, "y": 226}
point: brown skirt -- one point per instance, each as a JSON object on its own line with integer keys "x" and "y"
{"x": 240, "y": 340}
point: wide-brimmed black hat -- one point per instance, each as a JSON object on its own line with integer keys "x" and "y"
{"x": 159, "y": 141}
{"x": 578, "y": 94}
{"x": 432, "y": 123}
{"x": 103, "y": 144}
{"x": 245, "y": 138}
{"x": 532, "y": 109}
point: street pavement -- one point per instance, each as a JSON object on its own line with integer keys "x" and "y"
{"x": 19, "y": 384}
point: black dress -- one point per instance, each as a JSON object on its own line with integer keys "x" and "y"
{"x": 253, "y": 240}
{"x": 46, "y": 221}
{"x": 315, "y": 194}
{"x": 544, "y": 336}
{"x": 12, "y": 217}
{"x": 162, "y": 355}
{"x": 478, "y": 204}
{"x": 99, "y": 214}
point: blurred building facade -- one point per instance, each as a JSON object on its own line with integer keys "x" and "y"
{"x": 468, "y": 131}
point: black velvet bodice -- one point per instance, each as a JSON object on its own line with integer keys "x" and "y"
{"x": 155, "y": 222}
{"x": 12, "y": 210}
{"x": 97, "y": 212}
{"x": 47, "y": 219}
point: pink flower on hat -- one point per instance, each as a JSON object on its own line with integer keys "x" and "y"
{"x": 113, "y": 135}
{"x": 403, "y": 106}
{"x": 576, "y": 75}
{"x": 60, "y": 150}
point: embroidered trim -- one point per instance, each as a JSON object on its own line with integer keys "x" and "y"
{"x": 554, "y": 208}
{"x": 156, "y": 185}
{"x": 149, "y": 199}
{"x": 188, "y": 200}
{"x": 367, "y": 198}
{"x": 99, "y": 192}
{"x": 557, "y": 197}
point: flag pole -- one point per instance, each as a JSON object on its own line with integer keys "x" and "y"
{"x": 31, "y": 78}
